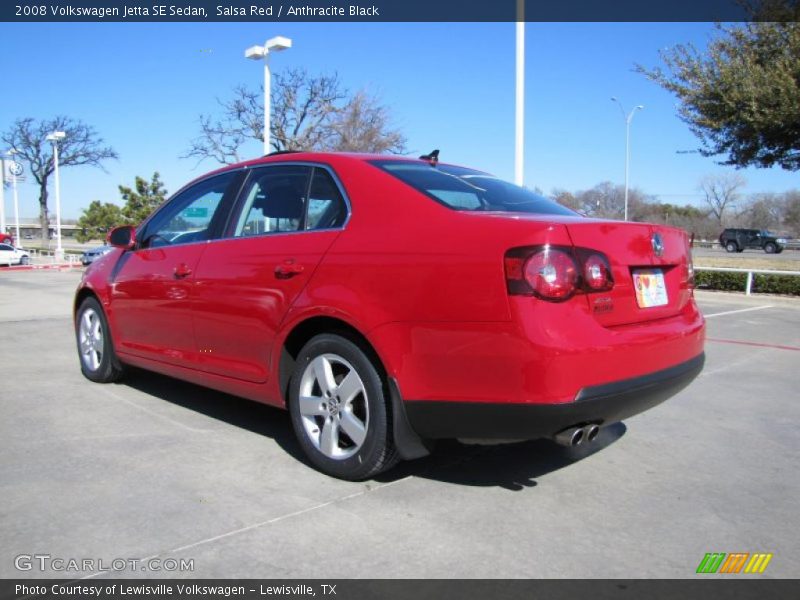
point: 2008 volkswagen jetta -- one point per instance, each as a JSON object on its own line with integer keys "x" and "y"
{"x": 389, "y": 302}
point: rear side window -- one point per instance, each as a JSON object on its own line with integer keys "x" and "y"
{"x": 326, "y": 207}
{"x": 466, "y": 189}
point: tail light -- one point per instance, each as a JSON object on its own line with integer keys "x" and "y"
{"x": 597, "y": 273}
{"x": 556, "y": 273}
{"x": 689, "y": 262}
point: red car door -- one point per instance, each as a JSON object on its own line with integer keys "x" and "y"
{"x": 153, "y": 284}
{"x": 288, "y": 217}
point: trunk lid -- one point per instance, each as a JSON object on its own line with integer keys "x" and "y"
{"x": 635, "y": 260}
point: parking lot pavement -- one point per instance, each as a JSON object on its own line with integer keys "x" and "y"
{"x": 153, "y": 467}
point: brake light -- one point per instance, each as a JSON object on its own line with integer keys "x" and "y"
{"x": 556, "y": 273}
{"x": 689, "y": 263}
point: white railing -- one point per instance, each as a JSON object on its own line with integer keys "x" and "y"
{"x": 749, "y": 283}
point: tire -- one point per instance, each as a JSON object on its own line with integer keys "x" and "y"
{"x": 770, "y": 248}
{"x": 25, "y": 260}
{"x": 95, "y": 349}
{"x": 731, "y": 247}
{"x": 344, "y": 425}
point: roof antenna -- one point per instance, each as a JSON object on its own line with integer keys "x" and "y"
{"x": 432, "y": 158}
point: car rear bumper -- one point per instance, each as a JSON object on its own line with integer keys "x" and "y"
{"x": 600, "y": 404}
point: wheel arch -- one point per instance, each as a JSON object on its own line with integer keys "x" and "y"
{"x": 408, "y": 443}
{"x": 81, "y": 295}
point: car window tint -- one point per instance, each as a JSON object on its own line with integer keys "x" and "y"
{"x": 188, "y": 216}
{"x": 6, "y": 247}
{"x": 274, "y": 201}
{"x": 326, "y": 206}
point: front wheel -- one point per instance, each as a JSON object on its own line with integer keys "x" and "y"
{"x": 339, "y": 410}
{"x": 95, "y": 350}
{"x": 25, "y": 260}
{"x": 770, "y": 248}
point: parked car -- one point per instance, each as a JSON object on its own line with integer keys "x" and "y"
{"x": 737, "y": 240}
{"x": 6, "y": 238}
{"x": 93, "y": 254}
{"x": 13, "y": 256}
{"x": 389, "y": 302}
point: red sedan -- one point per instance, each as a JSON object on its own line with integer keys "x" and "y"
{"x": 389, "y": 302}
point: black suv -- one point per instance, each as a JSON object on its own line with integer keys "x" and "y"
{"x": 736, "y": 240}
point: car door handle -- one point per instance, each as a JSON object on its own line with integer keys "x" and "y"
{"x": 288, "y": 269}
{"x": 182, "y": 270}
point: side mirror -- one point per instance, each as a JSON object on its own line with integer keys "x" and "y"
{"x": 122, "y": 237}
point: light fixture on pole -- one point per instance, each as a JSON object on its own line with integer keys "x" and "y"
{"x": 56, "y": 137}
{"x": 16, "y": 170}
{"x": 275, "y": 44}
{"x": 628, "y": 118}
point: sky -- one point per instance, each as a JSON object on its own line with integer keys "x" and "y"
{"x": 450, "y": 86}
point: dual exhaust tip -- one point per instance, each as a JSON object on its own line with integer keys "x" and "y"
{"x": 575, "y": 436}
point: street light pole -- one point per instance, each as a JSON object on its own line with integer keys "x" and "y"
{"x": 628, "y": 118}
{"x": 519, "y": 137}
{"x": 2, "y": 195}
{"x": 55, "y": 137}
{"x": 11, "y": 153}
{"x": 275, "y": 44}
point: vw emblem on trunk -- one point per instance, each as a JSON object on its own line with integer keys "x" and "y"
{"x": 658, "y": 244}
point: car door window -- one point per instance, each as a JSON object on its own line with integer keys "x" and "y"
{"x": 274, "y": 201}
{"x": 326, "y": 206}
{"x": 190, "y": 216}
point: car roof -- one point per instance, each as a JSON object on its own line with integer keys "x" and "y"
{"x": 323, "y": 157}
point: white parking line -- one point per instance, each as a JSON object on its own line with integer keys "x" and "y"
{"x": 264, "y": 523}
{"x": 155, "y": 414}
{"x": 741, "y": 310}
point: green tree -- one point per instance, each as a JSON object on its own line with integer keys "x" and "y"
{"x": 97, "y": 220}
{"x": 142, "y": 199}
{"x": 741, "y": 96}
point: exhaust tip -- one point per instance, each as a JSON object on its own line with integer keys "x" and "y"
{"x": 572, "y": 436}
{"x": 590, "y": 432}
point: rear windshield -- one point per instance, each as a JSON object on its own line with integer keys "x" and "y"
{"x": 465, "y": 189}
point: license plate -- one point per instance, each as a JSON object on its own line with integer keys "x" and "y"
{"x": 650, "y": 288}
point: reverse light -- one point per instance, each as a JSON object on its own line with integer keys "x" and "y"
{"x": 596, "y": 273}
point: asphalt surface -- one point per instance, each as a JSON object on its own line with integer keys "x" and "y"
{"x": 153, "y": 467}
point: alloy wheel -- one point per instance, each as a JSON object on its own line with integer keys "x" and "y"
{"x": 333, "y": 406}
{"x": 90, "y": 339}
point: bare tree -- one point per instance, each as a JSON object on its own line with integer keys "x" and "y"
{"x": 303, "y": 108}
{"x": 81, "y": 146}
{"x": 721, "y": 192}
{"x": 363, "y": 126}
{"x": 306, "y": 113}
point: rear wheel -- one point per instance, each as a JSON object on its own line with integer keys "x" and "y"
{"x": 731, "y": 247}
{"x": 770, "y": 248}
{"x": 339, "y": 411}
{"x": 95, "y": 349}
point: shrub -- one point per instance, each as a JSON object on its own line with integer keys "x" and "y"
{"x": 735, "y": 282}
